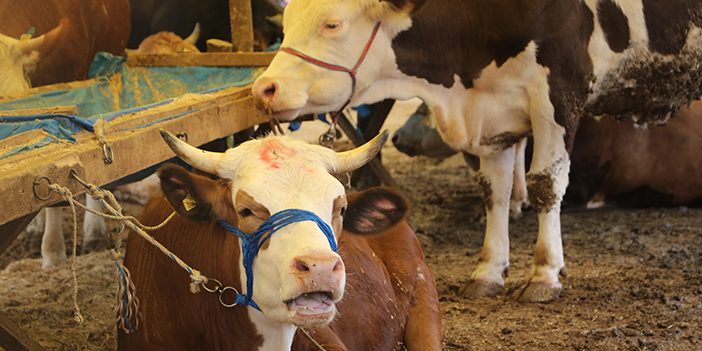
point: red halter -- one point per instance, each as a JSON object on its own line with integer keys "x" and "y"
{"x": 351, "y": 72}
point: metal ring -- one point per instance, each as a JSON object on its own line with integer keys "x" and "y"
{"x": 218, "y": 288}
{"x": 182, "y": 136}
{"x": 222, "y": 293}
{"x": 109, "y": 158}
{"x": 37, "y": 182}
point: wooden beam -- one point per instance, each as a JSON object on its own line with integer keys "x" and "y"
{"x": 218, "y": 59}
{"x": 241, "y": 25}
{"x": 12, "y": 337}
{"x": 62, "y": 110}
{"x": 375, "y": 164}
{"x": 136, "y": 144}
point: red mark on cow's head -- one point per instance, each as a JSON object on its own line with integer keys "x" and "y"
{"x": 272, "y": 151}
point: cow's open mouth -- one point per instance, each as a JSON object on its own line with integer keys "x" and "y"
{"x": 312, "y": 303}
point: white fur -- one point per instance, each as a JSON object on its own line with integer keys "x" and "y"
{"x": 13, "y": 65}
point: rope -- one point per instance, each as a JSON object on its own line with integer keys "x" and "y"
{"x": 251, "y": 244}
{"x": 68, "y": 196}
{"x": 128, "y": 308}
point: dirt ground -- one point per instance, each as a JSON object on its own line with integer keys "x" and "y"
{"x": 635, "y": 280}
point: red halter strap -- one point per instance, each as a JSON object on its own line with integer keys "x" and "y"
{"x": 351, "y": 72}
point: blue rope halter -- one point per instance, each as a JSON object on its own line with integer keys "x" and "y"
{"x": 252, "y": 243}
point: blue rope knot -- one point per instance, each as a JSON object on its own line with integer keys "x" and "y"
{"x": 252, "y": 243}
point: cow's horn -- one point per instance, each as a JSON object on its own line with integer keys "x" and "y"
{"x": 194, "y": 36}
{"x": 354, "y": 159}
{"x": 205, "y": 161}
{"x": 27, "y": 46}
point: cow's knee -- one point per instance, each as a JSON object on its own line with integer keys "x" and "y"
{"x": 545, "y": 189}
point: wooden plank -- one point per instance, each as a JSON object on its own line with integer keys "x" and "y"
{"x": 45, "y": 88}
{"x": 241, "y": 25}
{"x": 13, "y": 338}
{"x": 216, "y": 59}
{"x": 220, "y": 114}
{"x": 55, "y": 110}
{"x": 10, "y": 230}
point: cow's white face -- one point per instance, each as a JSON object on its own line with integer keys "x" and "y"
{"x": 336, "y": 32}
{"x": 15, "y": 60}
{"x": 298, "y": 278}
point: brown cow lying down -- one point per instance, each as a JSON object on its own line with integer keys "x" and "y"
{"x": 297, "y": 278}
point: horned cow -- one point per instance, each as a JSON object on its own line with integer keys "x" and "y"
{"x": 279, "y": 196}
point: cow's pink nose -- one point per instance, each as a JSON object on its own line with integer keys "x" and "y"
{"x": 265, "y": 90}
{"x": 320, "y": 272}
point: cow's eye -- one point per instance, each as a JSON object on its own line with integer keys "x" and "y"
{"x": 343, "y": 211}
{"x": 332, "y": 23}
{"x": 245, "y": 213}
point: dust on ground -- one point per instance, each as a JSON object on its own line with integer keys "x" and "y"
{"x": 634, "y": 283}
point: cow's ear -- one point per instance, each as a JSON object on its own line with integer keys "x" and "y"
{"x": 406, "y": 5}
{"x": 374, "y": 210}
{"x": 196, "y": 197}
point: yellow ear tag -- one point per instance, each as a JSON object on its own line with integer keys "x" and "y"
{"x": 189, "y": 203}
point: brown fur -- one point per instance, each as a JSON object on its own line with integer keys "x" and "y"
{"x": 92, "y": 27}
{"x": 385, "y": 303}
{"x": 166, "y": 43}
{"x": 612, "y": 158}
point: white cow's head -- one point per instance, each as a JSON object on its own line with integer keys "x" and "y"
{"x": 336, "y": 32}
{"x": 18, "y": 57}
{"x": 298, "y": 278}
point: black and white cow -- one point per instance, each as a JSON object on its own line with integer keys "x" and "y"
{"x": 495, "y": 71}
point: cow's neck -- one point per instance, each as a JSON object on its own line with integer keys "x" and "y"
{"x": 276, "y": 336}
{"x": 484, "y": 79}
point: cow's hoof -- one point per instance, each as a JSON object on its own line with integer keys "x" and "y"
{"x": 480, "y": 288}
{"x": 93, "y": 245}
{"x": 539, "y": 292}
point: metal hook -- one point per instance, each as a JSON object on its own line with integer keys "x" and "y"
{"x": 109, "y": 158}
{"x": 37, "y": 182}
{"x": 74, "y": 174}
{"x": 182, "y": 136}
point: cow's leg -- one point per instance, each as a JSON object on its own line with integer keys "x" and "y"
{"x": 94, "y": 230}
{"x": 424, "y": 321}
{"x": 519, "y": 188}
{"x": 546, "y": 184}
{"x": 35, "y": 232}
{"x": 53, "y": 245}
{"x": 496, "y": 173}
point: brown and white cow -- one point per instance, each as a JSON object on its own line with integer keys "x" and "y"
{"x": 69, "y": 34}
{"x": 495, "y": 71}
{"x": 418, "y": 136}
{"x": 376, "y": 291}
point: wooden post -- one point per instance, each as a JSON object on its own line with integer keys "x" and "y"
{"x": 242, "y": 25}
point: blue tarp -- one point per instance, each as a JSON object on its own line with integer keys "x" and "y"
{"x": 118, "y": 90}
